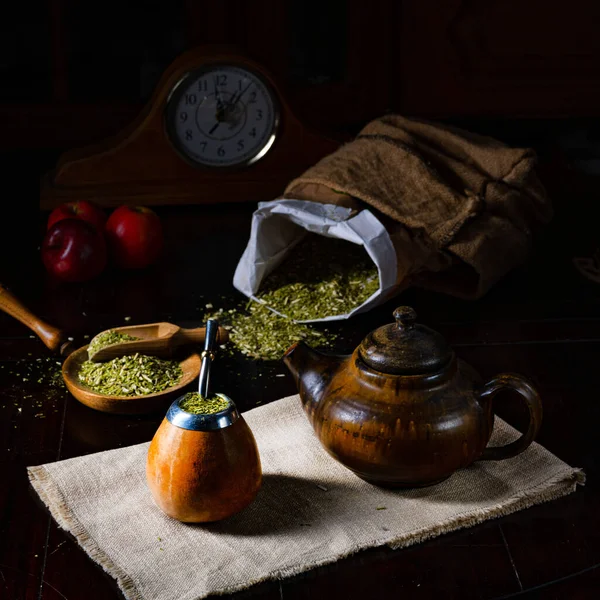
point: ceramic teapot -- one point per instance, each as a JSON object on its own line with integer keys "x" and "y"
{"x": 402, "y": 410}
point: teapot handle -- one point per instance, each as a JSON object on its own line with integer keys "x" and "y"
{"x": 524, "y": 387}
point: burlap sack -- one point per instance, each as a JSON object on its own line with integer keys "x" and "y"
{"x": 460, "y": 208}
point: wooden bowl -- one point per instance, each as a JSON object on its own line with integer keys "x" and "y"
{"x": 126, "y": 405}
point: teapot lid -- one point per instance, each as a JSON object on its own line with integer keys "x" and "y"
{"x": 405, "y": 347}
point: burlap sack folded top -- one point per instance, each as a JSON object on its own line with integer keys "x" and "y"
{"x": 460, "y": 208}
{"x": 310, "y": 510}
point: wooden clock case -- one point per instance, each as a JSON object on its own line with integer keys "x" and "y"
{"x": 140, "y": 166}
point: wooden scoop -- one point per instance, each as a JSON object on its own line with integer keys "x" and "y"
{"x": 54, "y": 338}
{"x": 156, "y": 339}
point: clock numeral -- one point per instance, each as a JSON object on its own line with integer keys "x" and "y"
{"x": 191, "y": 99}
{"x": 252, "y": 97}
{"x": 203, "y": 85}
{"x": 183, "y": 117}
{"x": 240, "y": 145}
{"x": 189, "y": 135}
{"x": 259, "y": 115}
{"x": 203, "y": 146}
{"x": 221, "y": 79}
{"x": 240, "y": 84}
{"x": 220, "y": 151}
{"x": 252, "y": 132}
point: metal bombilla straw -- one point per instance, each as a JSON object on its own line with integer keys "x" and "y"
{"x": 228, "y": 416}
{"x": 208, "y": 355}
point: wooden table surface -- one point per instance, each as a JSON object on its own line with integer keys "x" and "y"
{"x": 543, "y": 320}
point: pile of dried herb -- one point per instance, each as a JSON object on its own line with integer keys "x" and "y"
{"x": 321, "y": 277}
{"x": 134, "y": 375}
{"x": 108, "y": 338}
{"x": 260, "y": 333}
{"x": 196, "y": 404}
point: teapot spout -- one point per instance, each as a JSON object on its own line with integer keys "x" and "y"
{"x": 312, "y": 371}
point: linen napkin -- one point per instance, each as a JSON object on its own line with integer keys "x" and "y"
{"x": 310, "y": 511}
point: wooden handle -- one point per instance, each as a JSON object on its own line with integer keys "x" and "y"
{"x": 518, "y": 383}
{"x": 197, "y": 336}
{"x": 51, "y": 336}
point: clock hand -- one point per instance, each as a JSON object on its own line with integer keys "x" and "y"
{"x": 229, "y": 109}
{"x": 218, "y": 96}
{"x": 235, "y": 100}
{"x": 220, "y": 108}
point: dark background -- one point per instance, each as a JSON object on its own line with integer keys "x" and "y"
{"x": 527, "y": 73}
{"x": 73, "y": 72}
{"x": 524, "y": 71}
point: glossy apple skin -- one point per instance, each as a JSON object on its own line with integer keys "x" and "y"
{"x": 73, "y": 250}
{"x": 135, "y": 237}
{"x": 79, "y": 209}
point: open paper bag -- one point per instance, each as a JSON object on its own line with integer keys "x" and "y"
{"x": 434, "y": 206}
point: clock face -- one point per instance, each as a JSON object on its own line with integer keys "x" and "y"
{"x": 222, "y": 116}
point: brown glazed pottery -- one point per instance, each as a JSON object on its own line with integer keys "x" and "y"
{"x": 402, "y": 410}
{"x": 203, "y": 468}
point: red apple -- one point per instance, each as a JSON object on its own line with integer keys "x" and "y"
{"x": 73, "y": 250}
{"x": 79, "y": 209}
{"x": 134, "y": 235}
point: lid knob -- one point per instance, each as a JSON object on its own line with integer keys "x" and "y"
{"x": 405, "y": 317}
{"x": 405, "y": 347}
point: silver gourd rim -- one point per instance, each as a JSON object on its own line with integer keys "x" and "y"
{"x": 213, "y": 422}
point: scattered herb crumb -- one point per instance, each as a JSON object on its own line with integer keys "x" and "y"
{"x": 57, "y": 547}
{"x": 35, "y": 383}
{"x": 381, "y": 508}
